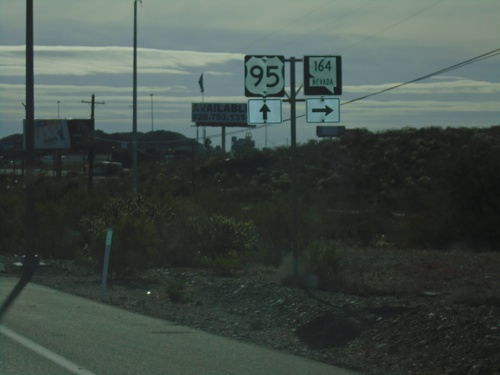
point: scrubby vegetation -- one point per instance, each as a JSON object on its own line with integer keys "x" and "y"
{"x": 428, "y": 188}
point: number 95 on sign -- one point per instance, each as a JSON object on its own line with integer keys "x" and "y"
{"x": 265, "y": 76}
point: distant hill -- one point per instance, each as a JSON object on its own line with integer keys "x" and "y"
{"x": 105, "y": 143}
{"x": 10, "y": 142}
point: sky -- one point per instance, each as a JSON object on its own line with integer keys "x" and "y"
{"x": 86, "y": 47}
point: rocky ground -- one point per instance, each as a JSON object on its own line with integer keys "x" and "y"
{"x": 430, "y": 319}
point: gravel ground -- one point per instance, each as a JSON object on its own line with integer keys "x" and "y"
{"x": 440, "y": 331}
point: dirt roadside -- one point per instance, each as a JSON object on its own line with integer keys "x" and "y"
{"x": 452, "y": 328}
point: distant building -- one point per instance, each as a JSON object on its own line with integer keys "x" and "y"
{"x": 242, "y": 144}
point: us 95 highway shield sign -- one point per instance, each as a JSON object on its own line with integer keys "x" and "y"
{"x": 265, "y": 76}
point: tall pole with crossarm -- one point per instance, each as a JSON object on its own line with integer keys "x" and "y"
{"x": 152, "y": 127}
{"x": 134, "y": 105}
{"x": 30, "y": 261}
{"x": 30, "y": 139}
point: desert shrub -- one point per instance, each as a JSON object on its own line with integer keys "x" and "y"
{"x": 56, "y": 238}
{"x": 11, "y": 221}
{"x": 175, "y": 289}
{"x": 177, "y": 246}
{"x": 272, "y": 219}
{"x": 134, "y": 245}
{"x": 324, "y": 259}
{"x": 135, "y": 222}
{"x": 265, "y": 253}
{"x": 221, "y": 236}
{"x": 225, "y": 266}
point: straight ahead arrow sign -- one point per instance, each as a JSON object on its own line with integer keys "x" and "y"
{"x": 265, "y": 109}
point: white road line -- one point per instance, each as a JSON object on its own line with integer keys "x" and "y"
{"x": 44, "y": 352}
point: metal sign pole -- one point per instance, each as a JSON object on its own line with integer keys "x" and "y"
{"x": 30, "y": 262}
{"x": 293, "y": 150}
{"x": 134, "y": 107}
{"x": 105, "y": 266}
{"x": 91, "y": 155}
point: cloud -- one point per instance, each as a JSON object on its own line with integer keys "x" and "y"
{"x": 86, "y": 60}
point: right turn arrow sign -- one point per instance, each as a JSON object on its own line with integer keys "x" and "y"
{"x": 327, "y": 110}
{"x": 321, "y": 110}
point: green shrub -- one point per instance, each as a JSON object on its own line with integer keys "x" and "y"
{"x": 225, "y": 266}
{"x": 134, "y": 245}
{"x": 175, "y": 289}
{"x": 135, "y": 222}
{"x": 11, "y": 222}
{"x": 265, "y": 253}
{"x": 221, "y": 236}
{"x": 272, "y": 219}
{"x": 56, "y": 238}
{"x": 324, "y": 259}
{"x": 177, "y": 248}
{"x": 178, "y": 245}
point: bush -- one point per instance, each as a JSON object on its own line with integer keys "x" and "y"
{"x": 221, "y": 236}
{"x": 175, "y": 289}
{"x": 324, "y": 260}
{"x": 225, "y": 266}
{"x": 134, "y": 246}
{"x": 11, "y": 222}
{"x": 135, "y": 222}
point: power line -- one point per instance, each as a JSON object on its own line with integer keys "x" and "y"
{"x": 392, "y": 26}
{"x": 484, "y": 56}
{"x": 445, "y": 70}
{"x": 276, "y": 31}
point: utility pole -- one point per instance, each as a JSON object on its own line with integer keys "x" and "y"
{"x": 134, "y": 105}
{"x": 30, "y": 220}
{"x": 152, "y": 128}
{"x": 30, "y": 261}
{"x": 91, "y": 157}
{"x": 58, "y": 105}
{"x": 293, "y": 149}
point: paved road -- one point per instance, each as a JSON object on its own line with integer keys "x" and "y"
{"x": 51, "y": 332}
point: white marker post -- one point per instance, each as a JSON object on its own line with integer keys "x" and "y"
{"x": 107, "y": 249}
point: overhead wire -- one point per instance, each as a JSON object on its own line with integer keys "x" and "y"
{"x": 276, "y": 31}
{"x": 322, "y": 26}
{"x": 445, "y": 70}
{"x": 392, "y": 26}
{"x": 481, "y": 57}
{"x": 478, "y": 58}
{"x": 376, "y": 34}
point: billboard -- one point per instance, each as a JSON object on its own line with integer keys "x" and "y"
{"x": 67, "y": 134}
{"x": 219, "y": 114}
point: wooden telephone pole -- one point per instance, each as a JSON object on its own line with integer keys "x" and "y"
{"x": 91, "y": 157}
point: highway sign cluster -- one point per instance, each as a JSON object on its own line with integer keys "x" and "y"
{"x": 323, "y": 77}
{"x": 265, "y": 78}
